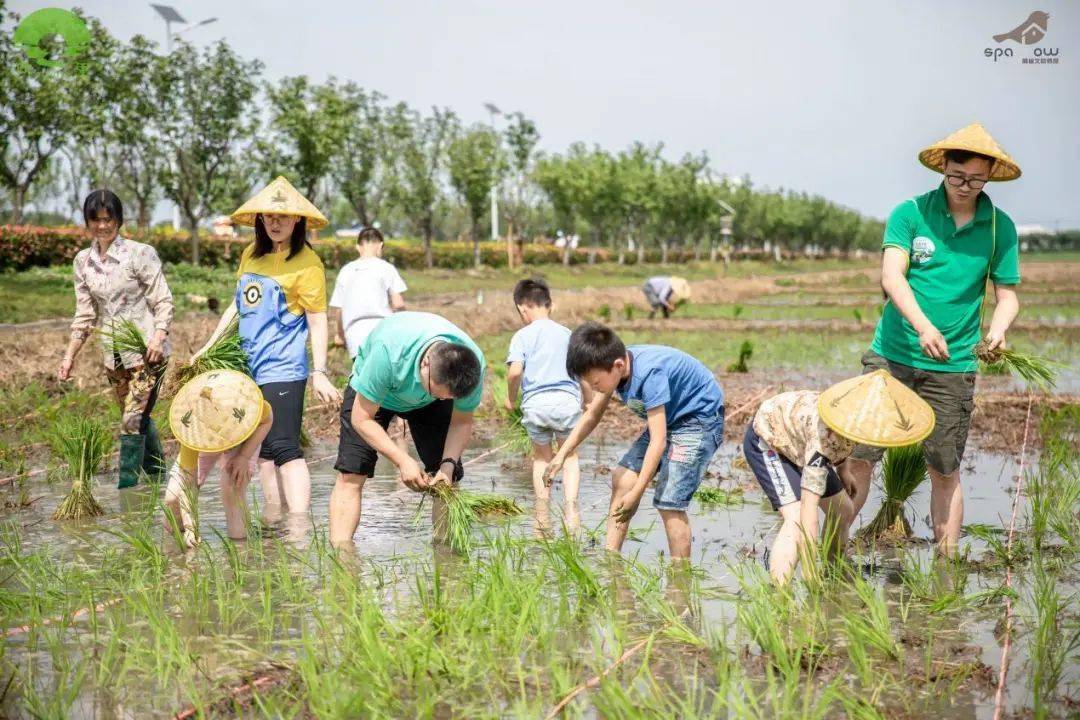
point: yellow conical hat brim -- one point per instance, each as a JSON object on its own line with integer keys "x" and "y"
{"x": 279, "y": 198}
{"x": 876, "y": 409}
{"x": 972, "y": 138}
{"x": 680, "y": 289}
{"x": 216, "y": 411}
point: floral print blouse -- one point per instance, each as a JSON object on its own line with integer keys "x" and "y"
{"x": 127, "y": 282}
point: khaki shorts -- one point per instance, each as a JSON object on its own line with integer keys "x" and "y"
{"x": 950, "y": 394}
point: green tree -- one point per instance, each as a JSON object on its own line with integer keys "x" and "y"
{"x": 360, "y": 166}
{"x": 477, "y": 160}
{"x": 420, "y": 149}
{"x": 207, "y": 131}
{"x": 519, "y": 201}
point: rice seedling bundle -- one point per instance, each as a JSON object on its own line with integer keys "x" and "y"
{"x": 1032, "y": 369}
{"x": 83, "y": 443}
{"x": 225, "y": 354}
{"x": 513, "y": 433}
{"x": 712, "y": 496}
{"x": 124, "y": 337}
{"x": 746, "y": 350}
{"x": 465, "y": 507}
{"x": 903, "y": 470}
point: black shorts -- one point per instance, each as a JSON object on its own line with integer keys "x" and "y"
{"x": 282, "y": 443}
{"x": 780, "y": 478}
{"x": 427, "y": 425}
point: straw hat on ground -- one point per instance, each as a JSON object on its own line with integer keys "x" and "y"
{"x": 216, "y": 410}
{"x": 876, "y": 409}
{"x": 279, "y": 198}
{"x": 973, "y": 138}
{"x": 680, "y": 289}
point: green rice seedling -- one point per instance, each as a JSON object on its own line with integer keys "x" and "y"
{"x": 226, "y": 353}
{"x": 604, "y": 312}
{"x": 736, "y": 311}
{"x": 124, "y": 337}
{"x": 746, "y": 350}
{"x": 1032, "y": 369}
{"x": 1052, "y": 640}
{"x": 857, "y": 314}
{"x": 628, "y": 311}
{"x": 465, "y": 507}
{"x": 512, "y": 433}
{"x": 715, "y": 496}
{"x": 83, "y": 443}
{"x": 872, "y": 626}
{"x": 903, "y": 470}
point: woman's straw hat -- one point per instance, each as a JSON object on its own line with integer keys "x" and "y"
{"x": 680, "y": 289}
{"x": 279, "y": 198}
{"x": 876, "y": 409}
{"x": 216, "y": 410}
{"x": 972, "y": 138}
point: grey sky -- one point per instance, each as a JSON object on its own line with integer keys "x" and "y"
{"x": 831, "y": 97}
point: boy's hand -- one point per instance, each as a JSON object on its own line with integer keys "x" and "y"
{"x": 554, "y": 468}
{"x": 627, "y": 505}
{"x": 238, "y": 471}
{"x": 413, "y": 475}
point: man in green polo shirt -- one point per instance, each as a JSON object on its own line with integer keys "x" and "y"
{"x": 938, "y": 252}
{"x": 425, "y": 369}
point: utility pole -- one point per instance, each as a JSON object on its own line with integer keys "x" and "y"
{"x": 493, "y": 111}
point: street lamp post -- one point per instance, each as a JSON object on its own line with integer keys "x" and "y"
{"x": 170, "y": 15}
{"x": 493, "y": 111}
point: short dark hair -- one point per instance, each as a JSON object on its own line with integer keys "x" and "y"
{"x": 264, "y": 245}
{"x": 962, "y": 156}
{"x": 105, "y": 200}
{"x": 456, "y": 367}
{"x": 593, "y": 346}
{"x": 370, "y": 235}
{"x": 532, "y": 291}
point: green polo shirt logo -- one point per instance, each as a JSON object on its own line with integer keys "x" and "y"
{"x": 947, "y": 273}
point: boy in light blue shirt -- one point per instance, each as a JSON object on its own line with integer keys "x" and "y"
{"x": 550, "y": 398}
{"x": 683, "y": 407}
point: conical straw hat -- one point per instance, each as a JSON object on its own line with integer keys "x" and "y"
{"x": 876, "y": 409}
{"x": 216, "y": 410}
{"x": 279, "y": 198}
{"x": 972, "y": 138}
{"x": 680, "y": 289}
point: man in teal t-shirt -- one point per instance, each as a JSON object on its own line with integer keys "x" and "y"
{"x": 425, "y": 369}
{"x": 938, "y": 252}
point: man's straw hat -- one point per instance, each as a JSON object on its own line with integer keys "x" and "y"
{"x": 279, "y": 198}
{"x": 216, "y": 410}
{"x": 972, "y": 138}
{"x": 680, "y": 289}
{"x": 876, "y": 409}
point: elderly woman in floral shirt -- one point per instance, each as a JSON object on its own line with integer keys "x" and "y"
{"x": 119, "y": 279}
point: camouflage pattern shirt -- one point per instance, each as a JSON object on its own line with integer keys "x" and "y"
{"x": 790, "y": 424}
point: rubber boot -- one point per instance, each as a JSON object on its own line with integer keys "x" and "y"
{"x": 153, "y": 463}
{"x": 132, "y": 449}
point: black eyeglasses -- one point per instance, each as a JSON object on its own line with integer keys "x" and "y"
{"x": 960, "y": 181}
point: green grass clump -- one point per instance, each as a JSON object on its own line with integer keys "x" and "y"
{"x": 746, "y": 350}
{"x": 83, "y": 443}
{"x": 713, "y": 496}
{"x": 1032, "y": 369}
{"x": 903, "y": 470}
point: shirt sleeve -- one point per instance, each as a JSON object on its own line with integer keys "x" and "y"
{"x": 814, "y": 479}
{"x": 374, "y": 376}
{"x": 1005, "y": 268}
{"x": 85, "y": 309}
{"x": 311, "y": 289}
{"x": 815, "y": 464}
{"x": 900, "y": 227}
{"x": 517, "y": 350}
{"x": 655, "y": 389}
{"x": 158, "y": 295}
{"x": 470, "y": 402}
{"x": 397, "y": 283}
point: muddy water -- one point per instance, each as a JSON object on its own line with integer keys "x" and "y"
{"x": 392, "y": 527}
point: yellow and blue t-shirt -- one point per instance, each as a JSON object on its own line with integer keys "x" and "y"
{"x": 272, "y": 295}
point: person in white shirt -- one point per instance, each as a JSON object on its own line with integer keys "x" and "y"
{"x": 367, "y": 290}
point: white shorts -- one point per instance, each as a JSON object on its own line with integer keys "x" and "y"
{"x": 550, "y": 415}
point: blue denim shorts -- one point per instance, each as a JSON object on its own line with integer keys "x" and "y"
{"x": 691, "y": 444}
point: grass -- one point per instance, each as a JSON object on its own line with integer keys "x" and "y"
{"x": 710, "y": 496}
{"x": 746, "y": 350}
{"x": 83, "y": 444}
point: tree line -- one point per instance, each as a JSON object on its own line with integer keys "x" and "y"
{"x": 201, "y": 128}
